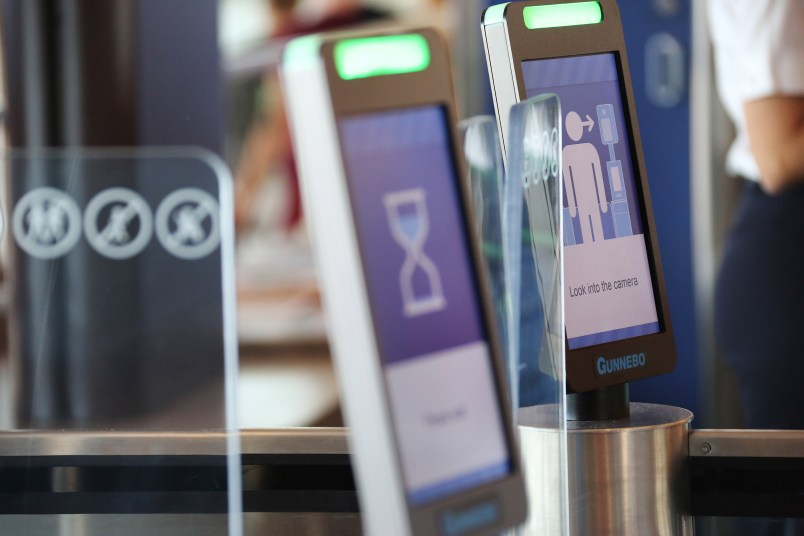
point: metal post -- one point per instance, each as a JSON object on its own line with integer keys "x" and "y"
{"x": 626, "y": 477}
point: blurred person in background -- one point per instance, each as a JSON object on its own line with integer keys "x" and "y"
{"x": 759, "y": 296}
{"x": 759, "y": 301}
{"x": 267, "y": 148}
{"x": 337, "y": 15}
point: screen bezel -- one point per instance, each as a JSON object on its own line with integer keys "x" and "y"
{"x": 432, "y": 87}
{"x": 601, "y": 38}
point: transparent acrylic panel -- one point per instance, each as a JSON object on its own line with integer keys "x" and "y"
{"x": 481, "y": 150}
{"x": 118, "y": 381}
{"x": 534, "y": 279}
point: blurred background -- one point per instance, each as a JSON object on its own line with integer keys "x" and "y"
{"x": 203, "y": 72}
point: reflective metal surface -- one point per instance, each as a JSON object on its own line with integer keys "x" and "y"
{"x": 747, "y": 443}
{"x": 307, "y": 524}
{"x": 626, "y": 477}
{"x": 296, "y": 482}
{"x": 542, "y": 462}
{"x": 302, "y": 524}
{"x": 119, "y": 525}
{"x": 274, "y": 441}
{"x": 749, "y": 474}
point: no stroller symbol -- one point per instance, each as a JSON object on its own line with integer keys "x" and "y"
{"x": 188, "y": 223}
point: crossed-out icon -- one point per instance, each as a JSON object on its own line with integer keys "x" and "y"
{"x": 188, "y": 223}
{"x": 118, "y": 223}
{"x": 46, "y": 223}
{"x": 124, "y": 212}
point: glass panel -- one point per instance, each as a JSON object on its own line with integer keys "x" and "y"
{"x": 481, "y": 151}
{"x": 123, "y": 352}
{"x": 523, "y": 256}
{"x": 534, "y": 279}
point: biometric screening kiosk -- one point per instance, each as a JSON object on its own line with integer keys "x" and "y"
{"x": 614, "y": 283}
{"x": 568, "y": 128}
{"x": 415, "y": 343}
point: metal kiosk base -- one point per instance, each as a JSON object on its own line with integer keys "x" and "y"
{"x": 627, "y": 476}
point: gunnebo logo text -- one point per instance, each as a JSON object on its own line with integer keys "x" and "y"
{"x": 619, "y": 364}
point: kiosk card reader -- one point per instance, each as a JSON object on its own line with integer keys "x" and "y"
{"x": 617, "y": 319}
{"x": 414, "y": 341}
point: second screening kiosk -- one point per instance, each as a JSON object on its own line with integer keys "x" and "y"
{"x": 568, "y": 129}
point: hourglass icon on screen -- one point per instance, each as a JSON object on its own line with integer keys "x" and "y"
{"x": 419, "y": 279}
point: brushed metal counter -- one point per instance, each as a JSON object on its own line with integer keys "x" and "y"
{"x": 296, "y": 482}
{"x": 203, "y": 443}
{"x": 747, "y": 473}
{"x": 625, "y": 477}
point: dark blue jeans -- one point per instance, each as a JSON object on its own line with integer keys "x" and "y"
{"x": 759, "y": 306}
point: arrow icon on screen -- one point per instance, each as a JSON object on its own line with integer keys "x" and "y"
{"x": 588, "y": 123}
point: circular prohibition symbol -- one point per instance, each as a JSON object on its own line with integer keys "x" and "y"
{"x": 188, "y": 223}
{"x": 121, "y": 209}
{"x": 46, "y": 223}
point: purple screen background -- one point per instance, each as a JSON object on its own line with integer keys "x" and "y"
{"x": 581, "y": 83}
{"x": 401, "y": 150}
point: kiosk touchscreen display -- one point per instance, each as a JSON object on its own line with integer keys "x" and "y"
{"x": 608, "y": 292}
{"x": 424, "y": 301}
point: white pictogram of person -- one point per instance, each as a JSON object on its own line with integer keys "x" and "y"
{"x": 583, "y": 179}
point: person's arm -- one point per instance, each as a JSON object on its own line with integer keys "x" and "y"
{"x": 776, "y": 131}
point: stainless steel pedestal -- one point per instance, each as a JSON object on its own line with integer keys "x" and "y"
{"x": 626, "y": 477}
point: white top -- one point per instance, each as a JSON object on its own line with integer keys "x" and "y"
{"x": 759, "y": 52}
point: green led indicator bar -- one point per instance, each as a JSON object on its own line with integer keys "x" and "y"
{"x": 365, "y": 57}
{"x": 558, "y": 15}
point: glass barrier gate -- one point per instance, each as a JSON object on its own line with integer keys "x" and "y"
{"x": 118, "y": 386}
